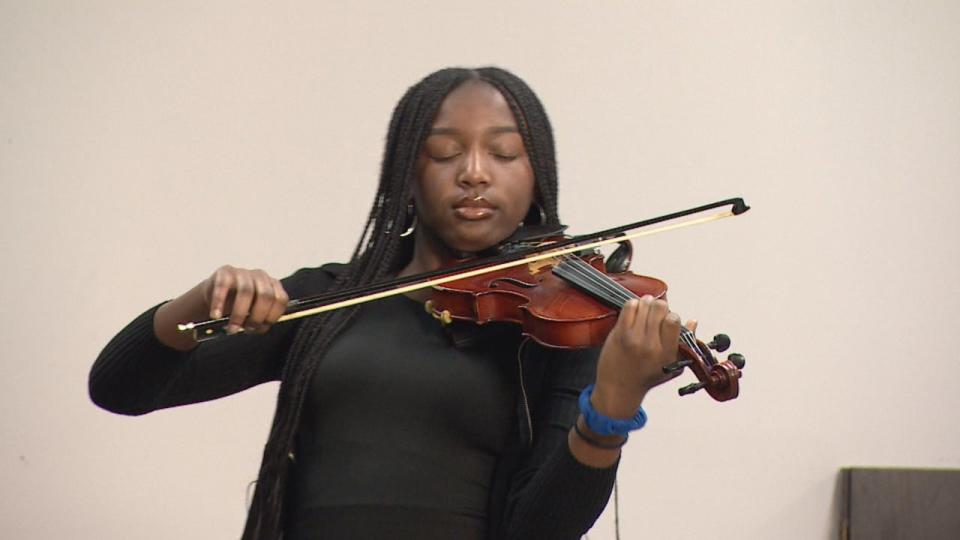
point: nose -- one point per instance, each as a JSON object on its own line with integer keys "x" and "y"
{"x": 475, "y": 170}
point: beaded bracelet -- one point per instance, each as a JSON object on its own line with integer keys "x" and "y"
{"x": 604, "y": 425}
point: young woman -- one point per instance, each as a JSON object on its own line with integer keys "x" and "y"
{"x": 388, "y": 424}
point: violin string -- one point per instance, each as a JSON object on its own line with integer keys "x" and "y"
{"x": 596, "y": 281}
{"x": 578, "y": 278}
{"x": 602, "y": 280}
{"x": 584, "y": 281}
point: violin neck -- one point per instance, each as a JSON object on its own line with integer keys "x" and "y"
{"x": 593, "y": 282}
{"x": 603, "y": 288}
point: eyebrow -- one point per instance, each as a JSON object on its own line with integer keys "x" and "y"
{"x": 496, "y": 130}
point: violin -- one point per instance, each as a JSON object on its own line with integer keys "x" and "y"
{"x": 573, "y": 302}
{"x": 559, "y": 290}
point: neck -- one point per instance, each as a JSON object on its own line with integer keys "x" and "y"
{"x": 429, "y": 254}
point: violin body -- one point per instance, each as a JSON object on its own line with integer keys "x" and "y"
{"x": 543, "y": 304}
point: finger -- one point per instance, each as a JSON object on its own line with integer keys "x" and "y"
{"x": 244, "y": 294}
{"x": 279, "y": 305}
{"x": 628, "y": 315}
{"x": 669, "y": 332}
{"x": 654, "y": 322}
{"x": 643, "y": 315}
{"x": 264, "y": 297}
{"x": 631, "y": 331}
{"x": 223, "y": 281}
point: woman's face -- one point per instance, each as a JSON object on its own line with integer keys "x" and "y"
{"x": 474, "y": 179}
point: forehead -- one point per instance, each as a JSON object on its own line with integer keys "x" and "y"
{"x": 474, "y": 103}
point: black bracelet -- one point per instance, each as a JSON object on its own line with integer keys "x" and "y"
{"x": 599, "y": 444}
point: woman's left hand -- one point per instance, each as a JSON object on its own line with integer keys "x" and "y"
{"x": 644, "y": 339}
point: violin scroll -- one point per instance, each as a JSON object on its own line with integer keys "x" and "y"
{"x": 720, "y": 379}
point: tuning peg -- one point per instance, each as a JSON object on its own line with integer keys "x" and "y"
{"x": 738, "y": 360}
{"x": 691, "y": 388}
{"x": 676, "y": 366}
{"x": 720, "y": 343}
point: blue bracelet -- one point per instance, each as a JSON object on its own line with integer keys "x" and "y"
{"x": 603, "y": 425}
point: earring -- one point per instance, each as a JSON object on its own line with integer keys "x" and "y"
{"x": 412, "y": 221}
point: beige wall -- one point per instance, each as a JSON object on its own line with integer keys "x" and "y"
{"x": 142, "y": 146}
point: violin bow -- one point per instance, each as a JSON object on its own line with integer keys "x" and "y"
{"x": 314, "y": 305}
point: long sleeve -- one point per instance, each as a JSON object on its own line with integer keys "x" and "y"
{"x": 554, "y": 496}
{"x": 136, "y": 374}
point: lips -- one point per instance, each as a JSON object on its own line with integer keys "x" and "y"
{"x": 473, "y": 208}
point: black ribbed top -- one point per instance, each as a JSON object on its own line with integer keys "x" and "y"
{"x": 537, "y": 490}
{"x": 398, "y": 419}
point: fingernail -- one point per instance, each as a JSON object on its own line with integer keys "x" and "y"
{"x": 232, "y": 329}
{"x": 216, "y": 314}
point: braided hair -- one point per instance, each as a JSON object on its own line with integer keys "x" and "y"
{"x": 382, "y": 251}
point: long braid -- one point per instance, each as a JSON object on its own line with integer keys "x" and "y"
{"x": 380, "y": 252}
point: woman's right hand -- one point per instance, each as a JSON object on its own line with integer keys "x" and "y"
{"x": 252, "y": 299}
